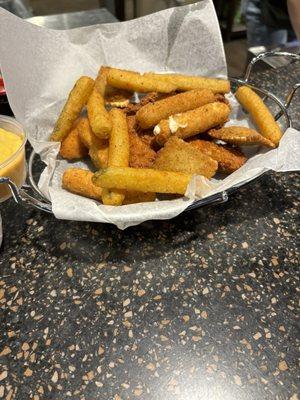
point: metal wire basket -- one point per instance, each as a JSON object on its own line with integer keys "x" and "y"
{"x": 30, "y": 194}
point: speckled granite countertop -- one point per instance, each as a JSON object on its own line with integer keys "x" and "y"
{"x": 200, "y": 307}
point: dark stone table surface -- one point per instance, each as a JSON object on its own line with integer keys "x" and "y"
{"x": 203, "y": 306}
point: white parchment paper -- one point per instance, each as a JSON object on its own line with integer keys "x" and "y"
{"x": 40, "y": 67}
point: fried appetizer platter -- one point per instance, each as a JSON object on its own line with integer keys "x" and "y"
{"x": 141, "y": 148}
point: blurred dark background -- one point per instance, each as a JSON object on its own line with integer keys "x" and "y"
{"x": 248, "y": 26}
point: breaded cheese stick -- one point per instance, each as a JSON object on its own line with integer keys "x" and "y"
{"x": 77, "y": 99}
{"x": 98, "y": 115}
{"x": 187, "y": 82}
{"x": 118, "y": 154}
{"x": 152, "y": 113}
{"x": 72, "y": 147}
{"x": 136, "y": 82}
{"x": 260, "y": 114}
{"x": 142, "y": 180}
{"x": 79, "y": 181}
{"x": 98, "y": 148}
{"x": 192, "y": 122}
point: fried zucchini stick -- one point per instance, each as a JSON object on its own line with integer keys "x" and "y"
{"x": 77, "y": 99}
{"x": 118, "y": 154}
{"x": 136, "y": 82}
{"x": 98, "y": 115}
{"x": 187, "y": 82}
{"x": 98, "y": 148}
{"x": 138, "y": 197}
{"x": 152, "y": 113}
{"x": 142, "y": 180}
{"x": 260, "y": 114}
{"x": 79, "y": 181}
{"x": 192, "y": 122}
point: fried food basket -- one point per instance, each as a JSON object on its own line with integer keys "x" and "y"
{"x": 30, "y": 194}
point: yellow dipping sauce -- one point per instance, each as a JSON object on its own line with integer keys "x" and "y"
{"x": 11, "y": 166}
{"x": 9, "y": 144}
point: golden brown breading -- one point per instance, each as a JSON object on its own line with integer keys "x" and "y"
{"x": 98, "y": 148}
{"x": 142, "y": 180}
{"x": 72, "y": 147}
{"x": 79, "y": 181}
{"x": 77, "y": 99}
{"x": 240, "y": 135}
{"x": 152, "y": 113}
{"x": 118, "y": 154}
{"x": 180, "y": 156}
{"x": 151, "y": 97}
{"x": 188, "y": 82}
{"x": 99, "y": 156}
{"x": 141, "y": 155}
{"x": 136, "y": 82}
{"x": 138, "y": 197}
{"x": 192, "y": 122}
{"x": 222, "y": 98}
{"x": 117, "y": 97}
{"x": 260, "y": 114}
{"x": 229, "y": 158}
{"x": 98, "y": 115}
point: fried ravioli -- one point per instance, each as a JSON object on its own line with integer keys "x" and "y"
{"x": 141, "y": 155}
{"x": 240, "y": 135}
{"x": 229, "y": 159}
{"x": 180, "y": 156}
{"x": 117, "y": 97}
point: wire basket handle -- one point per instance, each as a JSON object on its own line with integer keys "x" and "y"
{"x": 268, "y": 54}
{"x": 22, "y": 197}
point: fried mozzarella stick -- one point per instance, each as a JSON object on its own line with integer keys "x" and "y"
{"x": 142, "y": 180}
{"x": 260, "y": 114}
{"x": 192, "y": 122}
{"x": 136, "y": 82}
{"x": 187, "y": 82}
{"x": 77, "y": 99}
{"x": 79, "y": 181}
{"x": 98, "y": 148}
{"x": 72, "y": 147}
{"x": 118, "y": 154}
{"x": 98, "y": 115}
{"x": 152, "y": 113}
